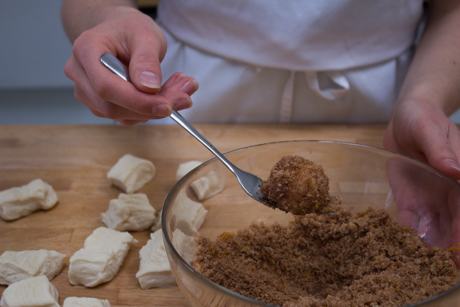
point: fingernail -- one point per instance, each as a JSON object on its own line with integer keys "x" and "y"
{"x": 179, "y": 76}
{"x": 162, "y": 110}
{"x": 183, "y": 104}
{"x": 149, "y": 79}
{"x": 190, "y": 87}
{"x": 453, "y": 164}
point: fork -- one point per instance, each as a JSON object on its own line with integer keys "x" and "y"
{"x": 249, "y": 182}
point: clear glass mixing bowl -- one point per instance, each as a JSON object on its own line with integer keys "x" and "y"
{"x": 413, "y": 193}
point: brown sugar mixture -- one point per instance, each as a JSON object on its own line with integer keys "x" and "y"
{"x": 328, "y": 260}
{"x": 296, "y": 185}
{"x": 333, "y": 259}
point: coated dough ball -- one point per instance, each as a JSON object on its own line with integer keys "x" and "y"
{"x": 297, "y": 185}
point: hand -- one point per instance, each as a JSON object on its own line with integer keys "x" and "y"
{"x": 140, "y": 44}
{"x": 426, "y": 203}
{"x": 424, "y": 132}
{"x": 420, "y": 128}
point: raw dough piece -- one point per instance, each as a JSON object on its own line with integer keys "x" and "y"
{"x": 209, "y": 185}
{"x": 100, "y": 258}
{"x": 186, "y": 167}
{"x": 154, "y": 268}
{"x": 129, "y": 212}
{"x": 85, "y": 302}
{"x": 131, "y": 173}
{"x": 157, "y": 223}
{"x": 21, "y": 201}
{"x": 189, "y": 215}
{"x": 16, "y": 266}
{"x": 185, "y": 245}
{"x": 30, "y": 292}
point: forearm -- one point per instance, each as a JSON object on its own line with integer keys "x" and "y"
{"x": 81, "y": 15}
{"x": 434, "y": 75}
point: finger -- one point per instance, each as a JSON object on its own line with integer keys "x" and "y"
{"x": 182, "y": 83}
{"x": 454, "y": 144}
{"x": 83, "y": 98}
{"x": 130, "y": 122}
{"x": 111, "y": 88}
{"x": 178, "y": 89}
{"x": 108, "y": 110}
{"x": 146, "y": 48}
{"x": 75, "y": 72}
{"x": 438, "y": 144}
{"x": 99, "y": 107}
{"x": 421, "y": 199}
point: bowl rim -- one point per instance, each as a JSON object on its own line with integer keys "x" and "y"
{"x": 246, "y": 299}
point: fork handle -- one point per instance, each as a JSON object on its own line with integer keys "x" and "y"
{"x": 118, "y": 68}
{"x": 187, "y": 126}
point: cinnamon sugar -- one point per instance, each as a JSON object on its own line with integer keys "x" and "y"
{"x": 334, "y": 259}
{"x": 342, "y": 259}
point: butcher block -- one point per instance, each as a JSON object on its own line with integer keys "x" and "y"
{"x": 75, "y": 161}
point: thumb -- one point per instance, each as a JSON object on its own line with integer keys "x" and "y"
{"x": 144, "y": 65}
{"x": 446, "y": 162}
{"x": 440, "y": 152}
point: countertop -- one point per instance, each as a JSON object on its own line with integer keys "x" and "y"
{"x": 75, "y": 161}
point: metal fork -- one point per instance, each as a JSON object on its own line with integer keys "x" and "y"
{"x": 249, "y": 182}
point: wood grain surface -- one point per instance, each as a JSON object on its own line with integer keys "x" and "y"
{"x": 75, "y": 161}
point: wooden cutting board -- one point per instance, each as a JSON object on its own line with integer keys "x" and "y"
{"x": 75, "y": 161}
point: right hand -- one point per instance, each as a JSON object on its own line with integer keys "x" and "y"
{"x": 140, "y": 44}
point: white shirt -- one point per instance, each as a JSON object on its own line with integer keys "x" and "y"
{"x": 292, "y": 61}
{"x": 295, "y": 34}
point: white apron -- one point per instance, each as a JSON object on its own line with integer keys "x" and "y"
{"x": 348, "y": 70}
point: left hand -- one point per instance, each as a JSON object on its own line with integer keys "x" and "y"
{"x": 427, "y": 203}
{"x": 423, "y": 131}
{"x": 420, "y": 128}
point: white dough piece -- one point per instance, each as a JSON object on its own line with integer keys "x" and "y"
{"x": 85, "y": 302}
{"x": 185, "y": 245}
{"x": 189, "y": 214}
{"x": 157, "y": 223}
{"x": 154, "y": 269}
{"x": 131, "y": 212}
{"x": 19, "y": 265}
{"x": 186, "y": 167}
{"x": 21, "y": 201}
{"x": 131, "y": 173}
{"x": 209, "y": 185}
{"x": 30, "y": 292}
{"x": 101, "y": 257}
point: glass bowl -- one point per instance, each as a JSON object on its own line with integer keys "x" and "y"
{"x": 413, "y": 193}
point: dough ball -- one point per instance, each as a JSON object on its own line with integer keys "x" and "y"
{"x": 297, "y": 185}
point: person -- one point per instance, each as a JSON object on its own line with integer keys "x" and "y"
{"x": 258, "y": 61}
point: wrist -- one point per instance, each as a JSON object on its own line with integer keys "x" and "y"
{"x": 81, "y": 15}
{"x": 428, "y": 95}
{"x": 112, "y": 12}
